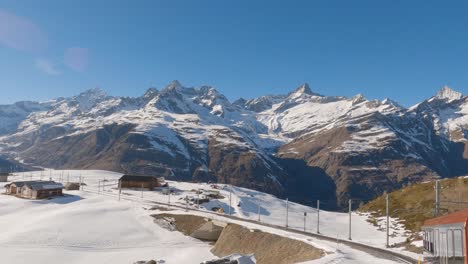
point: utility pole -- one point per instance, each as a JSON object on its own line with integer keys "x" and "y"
{"x": 230, "y": 199}
{"x": 258, "y": 211}
{"x": 120, "y": 189}
{"x": 287, "y": 211}
{"x": 437, "y": 198}
{"x": 318, "y": 216}
{"x": 388, "y": 218}
{"x": 349, "y": 203}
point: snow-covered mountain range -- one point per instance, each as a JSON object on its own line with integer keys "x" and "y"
{"x": 302, "y": 145}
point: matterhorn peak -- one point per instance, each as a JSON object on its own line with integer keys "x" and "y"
{"x": 304, "y": 89}
{"x": 448, "y": 94}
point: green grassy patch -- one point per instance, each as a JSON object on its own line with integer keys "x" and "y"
{"x": 415, "y": 203}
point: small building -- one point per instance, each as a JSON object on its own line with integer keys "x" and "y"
{"x": 136, "y": 181}
{"x": 4, "y": 176}
{"x": 72, "y": 186}
{"x": 445, "y": 238}
{"x": 34, "y": 189}
{"x": 214, "y": 194}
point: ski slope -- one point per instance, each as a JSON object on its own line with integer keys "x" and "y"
{"x": 93, "y": 226}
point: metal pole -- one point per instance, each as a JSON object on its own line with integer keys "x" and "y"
{"x": 120, "y": 189}
{"x": 287, "y": 211}
{"x": 388, "y": 219}
{"x": 318, "y": 216}
{"x": 305, "y": 214}
{"x": 258, "y": 211}
{"x": 437, "y": 198}
{"x": 230, "y": 199}
{"x": 349, "y": 203}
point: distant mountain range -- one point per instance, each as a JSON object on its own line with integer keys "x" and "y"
{"x": 302, "y": 145}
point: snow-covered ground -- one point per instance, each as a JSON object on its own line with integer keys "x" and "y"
{"x": 87, "y": 228}
{"x": 93, "y": 226}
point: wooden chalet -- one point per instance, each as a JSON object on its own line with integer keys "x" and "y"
{"x": 138, "y": 181}
{"x": 34, "y": 189}
{"x": 4, "y": 176}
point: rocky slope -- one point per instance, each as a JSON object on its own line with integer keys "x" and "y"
{"x": 302, "y": 145}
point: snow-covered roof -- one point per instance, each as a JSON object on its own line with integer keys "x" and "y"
{"x": 39, "y": 185}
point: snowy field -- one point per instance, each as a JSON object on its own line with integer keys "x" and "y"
{"x": 93, "y": 226}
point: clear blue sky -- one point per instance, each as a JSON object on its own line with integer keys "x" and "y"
{"x": 405, "y": 50}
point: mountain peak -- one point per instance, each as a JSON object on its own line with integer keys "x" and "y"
{"x": 151, "y": 92}
{"x": 94, "y": 92}
{"x": 304, "y": 89}
{"x": 449, "y": 94}
{"x": 175, "y": 84}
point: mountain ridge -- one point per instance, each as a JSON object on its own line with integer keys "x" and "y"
{"x": 301, "y": 144}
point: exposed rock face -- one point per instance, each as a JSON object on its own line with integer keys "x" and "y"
{"x": 302, "y": 145}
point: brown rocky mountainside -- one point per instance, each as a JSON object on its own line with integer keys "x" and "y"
{"x": 302, "y": 145}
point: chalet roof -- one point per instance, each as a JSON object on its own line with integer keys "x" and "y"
{"x": 46, "y": 185}
{"x": 38, "y": 185}
{"x": 127, "y": 177}
{"x": 453, "y": 218}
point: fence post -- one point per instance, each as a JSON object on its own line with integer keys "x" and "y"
{"x": 349, "y": 204}
{"x": 318, "y": 216}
